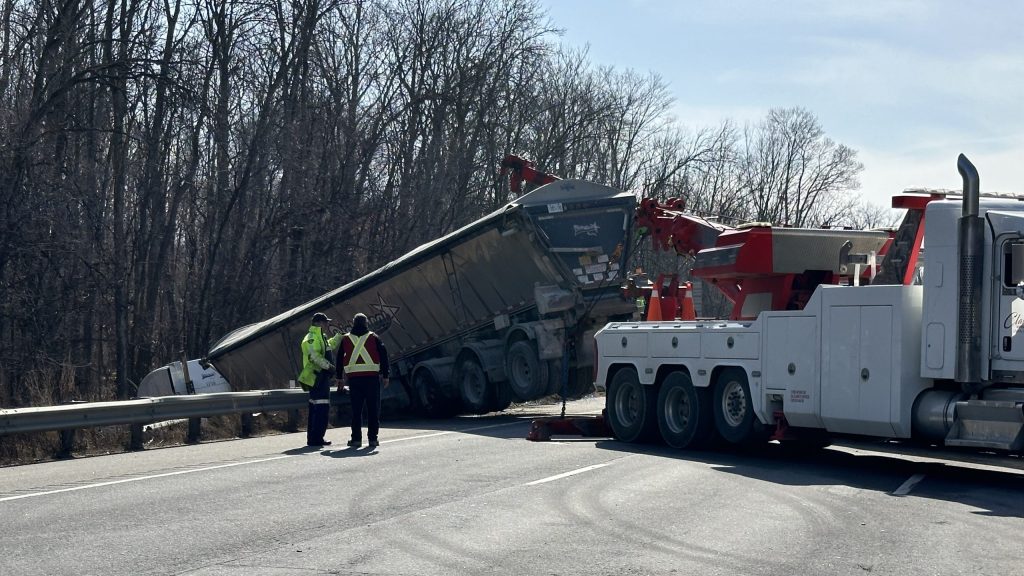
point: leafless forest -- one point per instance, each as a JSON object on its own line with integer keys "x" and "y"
{"x": 173, "y": 169}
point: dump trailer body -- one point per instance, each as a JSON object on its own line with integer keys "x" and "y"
{"x": 471, "y": 285}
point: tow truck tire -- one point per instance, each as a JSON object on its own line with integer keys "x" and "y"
{"x": 684, "y": 412}
{"x": 733, "y": 408}
{"x": 474, "y": 388}
{"x": 631, "y": 407}
{"x": 527, "y": 375}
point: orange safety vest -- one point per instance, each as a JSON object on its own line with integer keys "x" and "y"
{"x": 361, "y": 357}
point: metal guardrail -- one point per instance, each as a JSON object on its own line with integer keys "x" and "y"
{"x": 149, "y": 410}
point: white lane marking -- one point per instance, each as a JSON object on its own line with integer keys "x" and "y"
{"x": 907, "y": 486}
{"x": 431, "y": 435}
{"x": 567, "y": 474}
{"x": 177, "y": 472}
{"x": 136, "y": 479}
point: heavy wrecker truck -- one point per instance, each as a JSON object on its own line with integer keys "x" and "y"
{"x": 821, "y": 341}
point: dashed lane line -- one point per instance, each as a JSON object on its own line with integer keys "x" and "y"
{"x": 138, "y": 478}
{"x": 567, "y": 474}
{"x": 907, "y": 486}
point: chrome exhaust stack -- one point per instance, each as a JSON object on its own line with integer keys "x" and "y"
{"x": 971, "y": 248}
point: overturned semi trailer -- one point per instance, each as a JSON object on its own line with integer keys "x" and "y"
{"x": 497, "y": 311}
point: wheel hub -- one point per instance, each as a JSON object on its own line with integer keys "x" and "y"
{"x": 734, "y": 403}
{"x": 678, "y": 411}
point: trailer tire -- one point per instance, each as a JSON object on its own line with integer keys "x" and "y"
{"x": 527, "y": 375}
{"x": 429, "y": 397}
{"x": 554, "y": 384}
{"x": 733, "y": 407}
{"x": 684, "y": 412}
{"x": 502, "y": 396}
{"x": 475, "y": 390}
{"x": 581, "y": 383}
{"x": 631, "y": 407}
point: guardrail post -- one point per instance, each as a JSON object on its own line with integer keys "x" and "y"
{"x": 137, "y": 440}
{"x": 246, "y": 425}
{"x": 293, "y": 421}
{"x": 67, "y": 437}
{"x": 193, "y": 430}
{"x": 67, "y": 443}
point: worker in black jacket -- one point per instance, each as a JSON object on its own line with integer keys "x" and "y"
{"x": 363, "y": 368}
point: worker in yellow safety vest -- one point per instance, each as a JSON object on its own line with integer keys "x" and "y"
{"x": 315, "y": 378}
{"x": 363, "y": 368}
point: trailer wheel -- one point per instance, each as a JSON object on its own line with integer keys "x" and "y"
{"x": 527, "y": 375}
{"x": 631, "y": 407}
{"x": 429, "y": 396}
{"x": 581, "y": 383}
{"x": 733, "y": 408}
{"x": 502, "y": 396}
{"x": 554, "y": 384}
{"x": 684, "y": 412}
{"x": 474, "y": 388}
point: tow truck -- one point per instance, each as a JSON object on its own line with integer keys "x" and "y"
{"x": 839, "y": 332}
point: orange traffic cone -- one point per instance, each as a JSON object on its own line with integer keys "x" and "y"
{"x": 688, "y": 311}
{"x": 654, "y": 307}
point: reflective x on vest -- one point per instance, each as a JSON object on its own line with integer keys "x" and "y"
{"x": 360, "y": 360}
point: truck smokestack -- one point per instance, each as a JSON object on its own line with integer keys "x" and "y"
{"x": 972, "y": 186}
{"x": 971, "y": 248}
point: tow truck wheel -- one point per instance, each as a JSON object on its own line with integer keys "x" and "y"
{"x": 631, "y": 407}
{"x": 734, "y": 411}
{"x": 527, "y": 375}
{"x": 474, "y": 389}
{"x": 684, "y": 412}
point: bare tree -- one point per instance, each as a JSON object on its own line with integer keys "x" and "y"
{"x": 172, "y": 170}
{"x": 794, "y": 174}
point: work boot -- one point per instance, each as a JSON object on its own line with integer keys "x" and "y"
{"x": 355, "y": 443}
{"x": 373, "y": 444}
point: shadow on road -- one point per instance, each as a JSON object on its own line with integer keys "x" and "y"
{"x": 993, "y": 492}
{"x": 350, "y": 452}
{"x": 989, "y": 489}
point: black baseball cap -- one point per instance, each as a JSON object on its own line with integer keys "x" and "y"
{"x": 321, "y": 317}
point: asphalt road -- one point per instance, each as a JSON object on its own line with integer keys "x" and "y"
{"x": 471, "y": 496}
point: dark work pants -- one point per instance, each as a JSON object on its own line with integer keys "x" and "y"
{"x": 319, "y": 408}
{"x": 365, "y": 390}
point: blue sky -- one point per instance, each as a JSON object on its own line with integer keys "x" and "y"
{"x": 909, "y": 84}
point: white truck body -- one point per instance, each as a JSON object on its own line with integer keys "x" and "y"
{"x": 878, "y": 360}
{"x": 807, "y": 363}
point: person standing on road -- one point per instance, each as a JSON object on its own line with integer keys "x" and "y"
{"x": 363, "y": 367}
{"x": 315, "y": 378}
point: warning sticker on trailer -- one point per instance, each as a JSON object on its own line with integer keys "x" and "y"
{"x": 799, "y": 396}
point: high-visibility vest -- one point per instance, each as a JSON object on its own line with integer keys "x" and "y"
{"x": 314, "y": 354}
{"x": 361, "y": 355}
